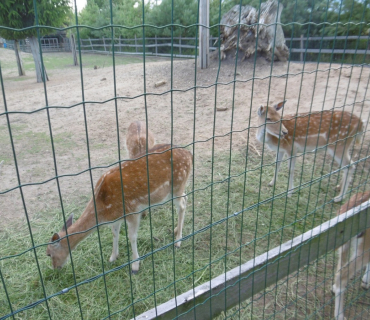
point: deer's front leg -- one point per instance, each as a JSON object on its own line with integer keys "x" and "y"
{"x": 133, "y": 227}
{"x": 366, "y": 278}
{"x": 181, "y": 207}
{"x": 291, "y": 164}
{"x": 279, "y": 158}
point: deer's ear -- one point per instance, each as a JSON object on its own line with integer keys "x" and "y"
{"x": 69, "y": 222}
{"x": 261, "y": 110}
{"x": 55, "y": 237}
{"x": 279, "y": 105}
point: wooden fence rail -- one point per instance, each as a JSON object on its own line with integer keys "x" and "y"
{"x": 242, "y": 282}
{"x": 303, "y": 48}
{"x": 180, "y": 42}
{"x": 104, "y": 45}
{"x": 154, "y": 44}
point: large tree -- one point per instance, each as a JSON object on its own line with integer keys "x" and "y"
{"x": 20, "y": 14}
{"x": 97, "y": 13}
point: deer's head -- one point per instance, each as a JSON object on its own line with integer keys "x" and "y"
{"x": 270, "y": 119}
{"x": 58, "y": 249}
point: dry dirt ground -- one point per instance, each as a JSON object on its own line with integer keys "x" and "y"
{"x": 184, "y": 113}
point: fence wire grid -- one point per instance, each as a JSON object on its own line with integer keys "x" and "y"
{"x": 248, "y": 250}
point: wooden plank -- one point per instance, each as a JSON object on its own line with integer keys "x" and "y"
{"x": 254, "y": 276}
{"x": 156, "y": 45}
{"x": 180, "y": 45}
{"x": 347, "y": 51}
{"x": 302, "y": 46}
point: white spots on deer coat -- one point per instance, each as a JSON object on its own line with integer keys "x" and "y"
{"x": 109, "y": 206}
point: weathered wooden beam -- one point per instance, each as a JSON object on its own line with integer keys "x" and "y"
{"x": 241, "y": 283}
{"x": 204, "y": 34}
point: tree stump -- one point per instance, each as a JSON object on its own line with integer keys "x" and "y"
{"x": 259, "y": 30}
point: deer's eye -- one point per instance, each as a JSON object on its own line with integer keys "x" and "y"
{"x": 268, "y": 119}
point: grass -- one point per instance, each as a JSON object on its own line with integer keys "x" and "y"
{"x": 64, "y": 60}
{"x": 203, "y": 256}
{"x": 30, "y": 144}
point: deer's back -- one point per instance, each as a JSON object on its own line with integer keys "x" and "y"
{"x": 163, "y": 171}
{"x": 329, "y": 126}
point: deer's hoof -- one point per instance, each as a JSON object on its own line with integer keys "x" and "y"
{"x": 112, "y": 258}
{"x": 365, "y": 285}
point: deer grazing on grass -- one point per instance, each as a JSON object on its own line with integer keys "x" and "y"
{"x": 168, "y": 174}
{"x": 352, "y": 256}
{"x": 305, "y": 132}
{"x": 136, "y": 139}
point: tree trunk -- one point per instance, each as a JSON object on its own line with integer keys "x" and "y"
{"x": 36, "y": 58}
{"x": 73, "y": 48}
{"x": 266, "y": 31}
{"x": 17, "y": 51}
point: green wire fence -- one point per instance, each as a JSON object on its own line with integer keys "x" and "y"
{"x": 249, "y": 251}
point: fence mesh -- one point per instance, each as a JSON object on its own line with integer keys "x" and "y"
{"x": 58, "y": 137}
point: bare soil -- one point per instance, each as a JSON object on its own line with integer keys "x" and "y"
{"x": 175, "y": 111}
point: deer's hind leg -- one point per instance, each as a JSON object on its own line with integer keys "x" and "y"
{"x": 116, "y": 226}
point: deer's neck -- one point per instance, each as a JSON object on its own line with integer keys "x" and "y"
{"x": 82, "y": 227}
{"x": 260, "y": 133}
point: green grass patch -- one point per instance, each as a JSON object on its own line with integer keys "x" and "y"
{"x": 237, "y": 185}
{"x": 64, "y": 60}
{"x": 30, "y": 144}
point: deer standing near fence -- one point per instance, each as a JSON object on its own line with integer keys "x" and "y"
{"x": 136, "y": 138}
{"x": 306, "y": 132}
{"x": 352, "y": 256}
{"x": 168, "y": 170}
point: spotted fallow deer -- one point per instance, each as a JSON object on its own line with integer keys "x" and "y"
{"x": 352, "y": 257}
{"x": 306, "y": 132}
{"x": 168, "y": 174}
{"x": 136, "y": 138}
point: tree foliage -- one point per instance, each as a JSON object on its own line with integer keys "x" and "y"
{"x": 19, "y": 14}
{"x": 97, "y": 14}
